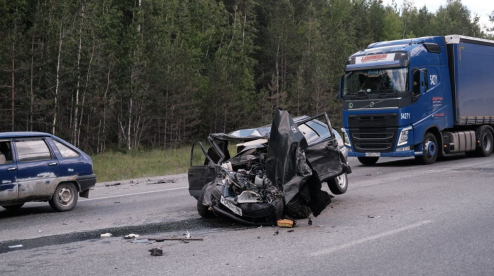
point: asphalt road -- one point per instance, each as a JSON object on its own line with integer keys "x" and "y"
{"x": 397, "y": 218}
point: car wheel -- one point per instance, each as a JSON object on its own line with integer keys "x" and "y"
{"x": 338, "y": 185}
{"x": 430, "y": 150}
{"x": 13, "y": 207}
{"x": 368, "y": 160}
{"x": 65, "y": 197}
{"x": 202, "y": 209}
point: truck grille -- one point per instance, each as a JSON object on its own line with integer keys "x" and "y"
{"x": 373, "y": 139}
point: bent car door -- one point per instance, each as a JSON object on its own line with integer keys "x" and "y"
{"x": 37, "y": 168}
{"x": 323, "y": 152}
{"x": 8, "y": 173}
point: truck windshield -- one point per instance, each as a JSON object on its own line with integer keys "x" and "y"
{"x": 376, "y": 81}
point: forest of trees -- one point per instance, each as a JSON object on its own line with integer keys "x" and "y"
{"x": 122, "y": 74}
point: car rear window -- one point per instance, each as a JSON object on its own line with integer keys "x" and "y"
{"x": 32, "y": 150}
{"x": 66, "y": 151}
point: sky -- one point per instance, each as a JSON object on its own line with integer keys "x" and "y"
{"x": 479, "y": 7}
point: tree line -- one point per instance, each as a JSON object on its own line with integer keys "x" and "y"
{"x": 123, "y": 74}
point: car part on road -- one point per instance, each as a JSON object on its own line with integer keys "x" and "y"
{"x": 156, "y": 252}
{"x": 106, "y": 235}
{"x": 286, "y": 223}
{"x": 277, "y": 171}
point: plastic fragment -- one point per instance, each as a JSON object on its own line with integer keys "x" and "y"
{"x": 140, "y": 241}
{"x": 289, "y": 231}
{"x": 286, "y": 223}
{"x": 309, "y": 222}
{"x": 105, "y": 235}
{"x": 15, "y": 246}
{"x": 131, "y": 236}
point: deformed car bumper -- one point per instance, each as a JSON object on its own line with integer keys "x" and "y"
{"x": 85, "y": 182}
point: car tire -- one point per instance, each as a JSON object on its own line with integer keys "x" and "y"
{"x": 202, "y": 209}
{"x": 65, "y": 197}
{"x": 13, "y": 207}
{"x": 430, "y": 150}
{"x": 338, "y": 185}
{"x": 368, "y": 160}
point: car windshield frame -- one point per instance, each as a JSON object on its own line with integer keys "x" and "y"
{"x": 376, "y": 81}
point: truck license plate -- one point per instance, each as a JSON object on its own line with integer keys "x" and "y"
{"x": 231, "y": 206}
{"x": 372, "y": 154}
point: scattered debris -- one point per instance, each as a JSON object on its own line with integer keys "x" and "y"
{"x": 131, "y": 236}
{"x": 369, "y": 216}
{"x": 276, "y": 232}
{"x": 368, "y": 174}
{"x": 105, "y": 235}
{"x": 116, "y": 202}
{"x": 15, "y": 246}
{"x": 156, "y": 252}
{"x": 310, "y": 221}
{"x": 286, "y": 223}
{"x": 40, "y": 231}
{"x": 161, "y": 181}
{"x": 114, "y": 184}
{"x": 64, "y": 223}
{"x": 289, "y": 231}
{"x": 140, "y": 241}
{"x": 174, "y": 239}
{"x": 187, "y": 235}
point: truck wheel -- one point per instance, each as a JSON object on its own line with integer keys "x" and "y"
{"x": 65, "y": 197}
{"x": 13, "y": 207}
{"x": 368, "y": 160}
{"x": 202, "y": 209}
{"x": 339, "y": 184}
{"x": 486, "y": 143}
{"x": 430, "y": 150}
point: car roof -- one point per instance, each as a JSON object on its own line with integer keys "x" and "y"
{"x": 17, "y": 134}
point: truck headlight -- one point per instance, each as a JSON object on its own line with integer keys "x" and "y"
{"x": 345, "y": 137}
{"x": 403, "y": 140}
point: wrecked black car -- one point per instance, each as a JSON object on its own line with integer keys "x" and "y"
{"x": 277, "y": 171}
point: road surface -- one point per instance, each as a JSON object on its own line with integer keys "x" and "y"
{"x": 397, "y": 218}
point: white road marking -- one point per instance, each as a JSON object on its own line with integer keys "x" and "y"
{"x": 142, "y": 193}
{"x": 371, "y": 238}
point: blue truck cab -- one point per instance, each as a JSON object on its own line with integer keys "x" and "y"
{"x": 423, "y": 97}
{"x": 36, "y": 166}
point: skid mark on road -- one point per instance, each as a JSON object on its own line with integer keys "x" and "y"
{"x": 371, "y": 238}
{"x": 141, "y": 193}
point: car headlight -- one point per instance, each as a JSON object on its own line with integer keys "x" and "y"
{"x": 403, "y": 140}
{"x": 345, "y": 137}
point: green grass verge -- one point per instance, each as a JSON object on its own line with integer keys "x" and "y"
{"x": 112, "y": 166}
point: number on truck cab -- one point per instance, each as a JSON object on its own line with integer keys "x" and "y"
{"x": 405, "y": 116}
